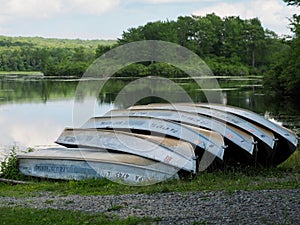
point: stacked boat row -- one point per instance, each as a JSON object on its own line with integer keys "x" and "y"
{"x": 150, "y": 143}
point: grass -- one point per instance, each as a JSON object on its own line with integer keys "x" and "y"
{"x": 52, "y": 216}
{"x": 292, "y": 163}
{"x": 279, "y": 178}
{"x": 286, "y": 176}
{"x": 115, "y": 208}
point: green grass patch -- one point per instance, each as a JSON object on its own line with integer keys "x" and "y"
{"x": 285, "y": 176}
{"x": 292, "y": 163}
{"x": 51, "y": 216}
{"x": 115, "y": 208}
{"x": 278, "y": 178}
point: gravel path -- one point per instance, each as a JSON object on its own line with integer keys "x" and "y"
{"x": 218, "y": 207}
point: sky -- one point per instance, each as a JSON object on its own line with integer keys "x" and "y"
{"x": 107, "y": 19}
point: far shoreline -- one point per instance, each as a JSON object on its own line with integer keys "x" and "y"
{"x": 29, "y": 73}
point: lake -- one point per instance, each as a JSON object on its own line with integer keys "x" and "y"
{"x": 35, "y": 110}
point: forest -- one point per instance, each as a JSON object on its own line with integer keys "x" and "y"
{"x": 52, "y": 57}
{"x": 230, "y": 46}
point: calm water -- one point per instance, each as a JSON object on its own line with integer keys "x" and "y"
{"x": 34, "y": 111}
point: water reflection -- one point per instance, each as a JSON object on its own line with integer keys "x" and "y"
{"x": 34, "y": 124}
{"x": 33, "y": 112}
{"x": 35, "y": 90}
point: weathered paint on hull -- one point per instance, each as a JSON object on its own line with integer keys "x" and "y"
{"x": 287, "y": 140}
{"x": 204, "y": 158}
{"x": 225, "y": 117}
{"x": 238, "y": 137}
{"x": 128, "y": 143}
{"x": 78, "y": 164}
{"x": 164, "y": 127}
{"x": 175, "y": 145}
{"x": 251, "y": 116}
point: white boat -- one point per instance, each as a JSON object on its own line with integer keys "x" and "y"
{"x": 128, "y": 143}
{"x": 78, "y": 164}
{"x": 232, "y": 135}
{"x": 161, "y": 127}
{"x": 267, "y": 138}
{"x": 287, "y": 140}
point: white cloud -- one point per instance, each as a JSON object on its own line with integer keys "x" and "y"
{"x": 272, "y": 13}
{"x": 176, "y": 1}
{"x": 167, "y": 1}
{"x": 20, "y": 9}
{"x": 29, "y": 8}
{"x": 92, "y": 6}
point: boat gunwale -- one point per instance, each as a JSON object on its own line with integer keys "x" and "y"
{"x": 220, "y": 148}
{"x": 176, "y": 106}
{"x": 280, "y": 130}
{"x": 190, "y": 160}
{"x": 250, "y": 140}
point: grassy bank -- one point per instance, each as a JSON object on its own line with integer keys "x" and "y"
{"x": 52, "y": 216}
{"x": 255, "y": 180}
{"x": 285, "y": 176}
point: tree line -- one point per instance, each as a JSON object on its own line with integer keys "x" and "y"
{"x": 230, "y": 46}
{"x": 53, "y": 57}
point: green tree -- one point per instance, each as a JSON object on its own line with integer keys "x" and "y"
{"x": 133, "y": 70}
{"x": 131, "y": 35}
{"x": 231, "y": 45}
{"x": 185, "y": 30}
{"x": 208, "y": 34}
{"x": 232, "y": 37}
{"x": 101, "y": 49}
{"x": 50, "y": 56}
{"x": 284, "y": 76}
{"x": 165, "y": 70}
{"x": 254, "y": 39}
{"x": 293, "y": 2}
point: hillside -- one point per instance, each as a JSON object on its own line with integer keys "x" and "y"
{"x": 6, "y": 41}
{"x": 50, "y": 56}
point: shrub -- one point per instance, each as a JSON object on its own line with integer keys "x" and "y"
{"x": 10, "y": 166}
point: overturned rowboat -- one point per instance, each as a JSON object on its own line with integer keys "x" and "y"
{"x": 286, "y": 139}
{"x": 267, "y": 138}
{"x": 78, "y": 164}
{"x": 240, "y": 144}
{"x": 128, "y": 143}
{"x": 266, "y": 141}
{"x": 275, "y": 143}
{"x": 160, "y": 127}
